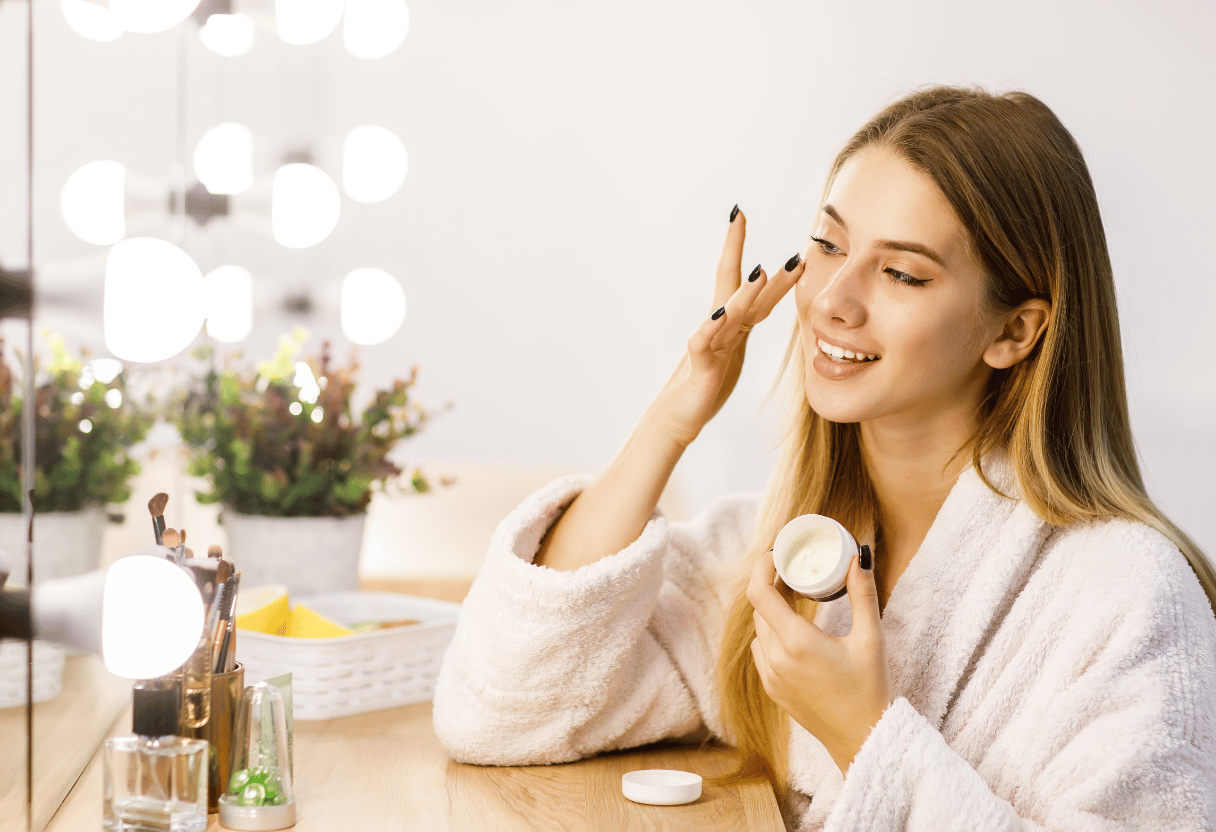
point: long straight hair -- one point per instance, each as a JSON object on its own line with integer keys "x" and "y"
{"x": 1020, "y": 187}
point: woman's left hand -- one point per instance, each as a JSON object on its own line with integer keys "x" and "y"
{"x": 835, "y": 688}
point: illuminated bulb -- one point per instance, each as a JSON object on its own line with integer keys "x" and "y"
{"x": 223, "y": 158}
{"x": 152, "y": 307}
{"x": 228, "y": 35}
{"x": 229, "y": 291}
{"x": 105, "y": 370}
{"x": 373, "y": 306}
{"x": 151, "y": 619}
{"x": 374, "y": 28}
{"x": 91, "y": 20}
{"x": 77, "y": 398}
{"x": 92, "y": 202}
{"x": 295, "y": 408}
{"x": 148, "y": 16}
{"x": 304, "y": 205}
{"x": 374, "y": 163}
{"x": 302, "y": 22}
{"x": 85, "y": 426}
{"x": 114, "y": 398}
{"x": 318, "y": 414}
{"x": 304, "y": 379}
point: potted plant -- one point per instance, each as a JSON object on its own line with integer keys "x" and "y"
{"x": 292, "y": 464}
{"x": 85, "y": 422}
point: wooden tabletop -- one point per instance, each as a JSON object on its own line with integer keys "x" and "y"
{"x": 387, "y": 771}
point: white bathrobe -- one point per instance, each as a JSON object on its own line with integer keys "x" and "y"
{"x": 1046, "y": 678}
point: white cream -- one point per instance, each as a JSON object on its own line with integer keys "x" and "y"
{"x": 814, "y": 556}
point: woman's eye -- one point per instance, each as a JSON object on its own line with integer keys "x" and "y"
{"x": 825, "y": 246}
{"x": 905, "y": 278}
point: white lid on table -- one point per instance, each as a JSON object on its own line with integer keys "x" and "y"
{"x": 661, "y": 787}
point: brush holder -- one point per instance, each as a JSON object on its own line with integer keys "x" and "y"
{"x": 226, "y": 690}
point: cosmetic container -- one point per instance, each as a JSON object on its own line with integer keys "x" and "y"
{"x": 812, "y": 554}
{"x": 155, "y": 780}
{"x": 259, "y": 793}
{"x": 226, "y": 691}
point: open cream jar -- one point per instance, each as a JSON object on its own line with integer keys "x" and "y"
{"x": 812, "y": 554}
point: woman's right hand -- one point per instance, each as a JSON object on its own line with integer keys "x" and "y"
{"x": 707, "y": 373}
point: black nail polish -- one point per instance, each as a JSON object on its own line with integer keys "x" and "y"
{"x": 734, "y": 212}
{"x": 751, "y": 278}
{"x": 866, "y": 560}
{"x": 793, "y": 262}
{"x": 721, "y": 310}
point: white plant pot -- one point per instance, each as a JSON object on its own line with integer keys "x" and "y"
{"x": 308, "y": 555}
{"x": 66, "y": 543}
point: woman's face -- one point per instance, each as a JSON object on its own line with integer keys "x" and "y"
{"x": 889, "y": 274}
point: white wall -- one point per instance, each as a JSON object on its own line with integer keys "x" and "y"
{"x": 572, "y": 167}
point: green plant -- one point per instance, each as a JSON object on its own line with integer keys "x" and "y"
{"x": 283, "y": 442}
{"x": 83, "y": 428}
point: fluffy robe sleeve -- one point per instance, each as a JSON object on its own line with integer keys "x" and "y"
{"x": 549, "y": 666}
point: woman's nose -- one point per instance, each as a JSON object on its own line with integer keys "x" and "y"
{"x": 839, "y": 299}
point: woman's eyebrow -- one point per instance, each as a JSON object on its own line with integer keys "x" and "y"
{"x": 893, "y": 245}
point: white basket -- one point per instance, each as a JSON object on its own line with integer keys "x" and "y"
{"x": 48, "y": 672}
{"x": 358, "y": 673}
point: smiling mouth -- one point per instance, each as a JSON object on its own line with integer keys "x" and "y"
{"x": 840, "y": 355}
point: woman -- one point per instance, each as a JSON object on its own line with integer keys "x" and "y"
{"x": 1033, "y": 645}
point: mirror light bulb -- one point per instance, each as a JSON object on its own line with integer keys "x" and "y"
{"x": 148, "y": 16}
{"x": 90, "y": 20}
{"x": 223, "y": 158}
{"x": 227, "y": 35}
{"x": 374, "y": 163}
{"x": 151, "y": 617}
{"x": 304, "y": 205}
{"x": 302, "y": 22}
{"x": 92, "y": 202}
{"x": 151, "y": 309}
{"x": 374, "y": 28}
{"x": 229, "y": 291}
{"x": 373, "y": 306}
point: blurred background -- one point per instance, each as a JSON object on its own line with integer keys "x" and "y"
{"x": 546, "y": 185}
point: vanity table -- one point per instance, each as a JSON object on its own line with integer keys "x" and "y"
{"x": 387, "y": 771}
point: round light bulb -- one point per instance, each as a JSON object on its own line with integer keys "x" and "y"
{"x": 223, "y": 158}
{"x": 302, "y": 22}
{"x": 304, "y": 205}
{"x": 152, "y": 307}
{"x": 373, "y": 306}
{"x": 229, "y": 292}
{"x": 151, "y": 617}
{"x": 91, "y": 20}
{"x": 148, "y": 16}
{"x": 92, "y": 202}
{"x": 374, "y": 163}
{"x": 374, "y": 28}
{"x": 227, "y": 35}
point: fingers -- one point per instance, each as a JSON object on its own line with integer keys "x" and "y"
{"x": 863, "y": 595}
{"x": 730, "y": 263}
{"x": 779, "y": 618}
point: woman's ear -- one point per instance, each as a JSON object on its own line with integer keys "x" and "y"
{"x": 1023, "y": 328}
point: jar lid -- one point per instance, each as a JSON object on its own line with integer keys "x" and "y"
{"x": 661, "y": 787}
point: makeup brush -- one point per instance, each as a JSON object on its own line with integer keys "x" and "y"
{"x": 156, "y": 507}
{"x": 225, "y": 658}
{"x": 214, "y": 551}
{"x": 170, "y": 538}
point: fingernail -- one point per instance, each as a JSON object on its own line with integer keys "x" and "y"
{"x": 734, "y": 212}
{"x": 793, "y": 262}
{"x": 866, "y": 561}
{"x": 751, "y": 278}
{"x": 721, "y": 310}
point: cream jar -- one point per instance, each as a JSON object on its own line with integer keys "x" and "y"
{"x": 812, "y": 554}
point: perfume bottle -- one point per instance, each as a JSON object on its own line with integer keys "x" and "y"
{"x": 155, "y": 780}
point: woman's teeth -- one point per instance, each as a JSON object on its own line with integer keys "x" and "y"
{"x": 841, "y": 354}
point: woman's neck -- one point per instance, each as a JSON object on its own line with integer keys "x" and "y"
{"x": 912, "y": 469}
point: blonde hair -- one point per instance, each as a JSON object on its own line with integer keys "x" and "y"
{"x": 1019, "y": 184}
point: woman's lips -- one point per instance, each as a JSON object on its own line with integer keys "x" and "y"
{"x": 838, "y": 370}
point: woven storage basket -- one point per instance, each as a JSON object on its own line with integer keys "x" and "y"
{"x": 358, "y": 673}
{"x": 48, "y": 672}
